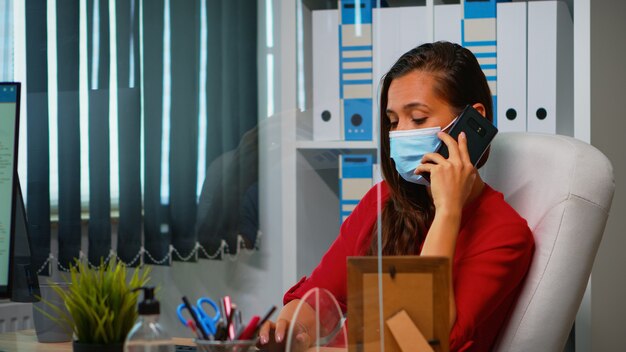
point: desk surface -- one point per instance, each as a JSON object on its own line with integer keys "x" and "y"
{"x": 26, "y": 341}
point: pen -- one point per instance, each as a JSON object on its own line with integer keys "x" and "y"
{"x": 239, "y": 320}
{"x": 254, "y": 325}
{"x": 220, "y": 332}
{"x": 262, "y": 321}
{"x": 236, "y": 320}
{"x": 227, "y": 311}
{"x": 239, "y": 331}
{"x": 222, "y": 311}
{"x": 230, "y": 320}
{"x": 248, "y": 332}
{"x": 195, "y": 318}
{"x": 193, "y": 328}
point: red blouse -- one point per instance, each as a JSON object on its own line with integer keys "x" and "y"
{"x": 493, "y": 252}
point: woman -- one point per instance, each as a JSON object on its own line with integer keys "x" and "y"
{"x": 457, "y": 215}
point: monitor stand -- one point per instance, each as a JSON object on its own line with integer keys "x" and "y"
{"x": 25, "y": 285}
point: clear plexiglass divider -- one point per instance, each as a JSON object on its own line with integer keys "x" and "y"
{"x": 318, "y": 309}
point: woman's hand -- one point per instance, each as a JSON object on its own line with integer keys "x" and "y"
{"x": 451, "y": 179}
{"x": 451, "y": 184}
{"x": 272, "y": 336}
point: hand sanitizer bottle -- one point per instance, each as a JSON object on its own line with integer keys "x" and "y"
{"x": 147, "y": 335}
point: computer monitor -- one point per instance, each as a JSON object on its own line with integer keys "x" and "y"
{"x": 18, "y": 277}
{"x": 9, "y": 127}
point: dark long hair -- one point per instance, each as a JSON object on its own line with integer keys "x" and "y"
{"x": 459, "y": 80}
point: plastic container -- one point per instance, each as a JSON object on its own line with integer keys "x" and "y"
{"x": 226, "y": 346}
{"x": 147, "y": 335}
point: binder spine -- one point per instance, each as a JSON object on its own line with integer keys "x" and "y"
{"x": 447, "y": 24}
{"x": 355, "y": 179}
{"x": 512, "y": 63}
{"x": 355, "y": 68}
{"x": 326, "y": 117}
{"x": 550, "y": 68}
{"x": 478, "y": 34}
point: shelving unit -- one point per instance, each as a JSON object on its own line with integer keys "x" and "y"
{"x": 309, "y": 205}
{"x": 335, "y": 145}
{"x": 316, "y": 199}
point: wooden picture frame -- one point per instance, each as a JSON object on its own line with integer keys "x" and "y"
{"x": 418, "y": 285}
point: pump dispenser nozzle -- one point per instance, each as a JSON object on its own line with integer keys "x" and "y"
{"x": 149, "y": 305}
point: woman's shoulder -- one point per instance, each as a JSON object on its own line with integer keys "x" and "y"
{"x": 493, "y": 205}
{"x": 492, "y": 222}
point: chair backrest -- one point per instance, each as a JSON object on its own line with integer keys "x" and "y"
{"x": 563, "y": 187}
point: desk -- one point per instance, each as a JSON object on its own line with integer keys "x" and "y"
{"x": 26, "y": 341}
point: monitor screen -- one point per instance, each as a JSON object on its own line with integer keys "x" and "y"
{"x": 9, "y": 127}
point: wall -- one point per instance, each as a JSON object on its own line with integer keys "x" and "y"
{"x": 248, "y": 280}
{"x": 608, "y": 126}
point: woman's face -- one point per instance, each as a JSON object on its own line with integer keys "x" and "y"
{"x": 412, "y": 103}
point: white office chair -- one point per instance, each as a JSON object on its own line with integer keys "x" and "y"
{"x": 563, "y": 187}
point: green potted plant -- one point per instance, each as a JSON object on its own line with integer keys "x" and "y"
{"x": 101, "y": 304}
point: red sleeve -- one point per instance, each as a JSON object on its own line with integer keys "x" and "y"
{"x": 490, "y": 265}
{"x": 331, "y": 273}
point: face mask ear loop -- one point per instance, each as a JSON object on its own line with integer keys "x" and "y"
{"x": 445, "y": 129}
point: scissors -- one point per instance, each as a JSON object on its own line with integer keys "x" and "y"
{"x": 208, "y": 322}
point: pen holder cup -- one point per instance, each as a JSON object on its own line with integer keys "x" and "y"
{"x": 226, "y": 346}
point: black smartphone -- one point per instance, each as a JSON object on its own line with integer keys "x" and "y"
{"x": 479, "y": 132}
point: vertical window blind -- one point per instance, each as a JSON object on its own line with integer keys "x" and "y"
{"x": 146, "y": 110}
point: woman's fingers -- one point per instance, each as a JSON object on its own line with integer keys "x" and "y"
{"x": 463, "y": 150}
{"x": 458, "y": 151}
{"x": 453, "y": 147}
{"x": 281, "y": 330}
{"x": 434, "y": 158}
{"x": 458, "y": 156}
{"x": 264, "y": 332}
{"x": 424, "y": 168}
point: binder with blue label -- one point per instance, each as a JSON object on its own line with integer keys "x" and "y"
{"x": 550, "y": 96}
{"x": 396, "y": 30}
{"x": 447, "y": 22}
{"x": 327, "y": 120}
{"x": 355, "y": 68}
{"x": 478, "y": 34}
{"x": 511, "y": 61}
{"x": 355, "y": 179}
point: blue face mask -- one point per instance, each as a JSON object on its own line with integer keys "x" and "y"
{"x": 408, "y": 147}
